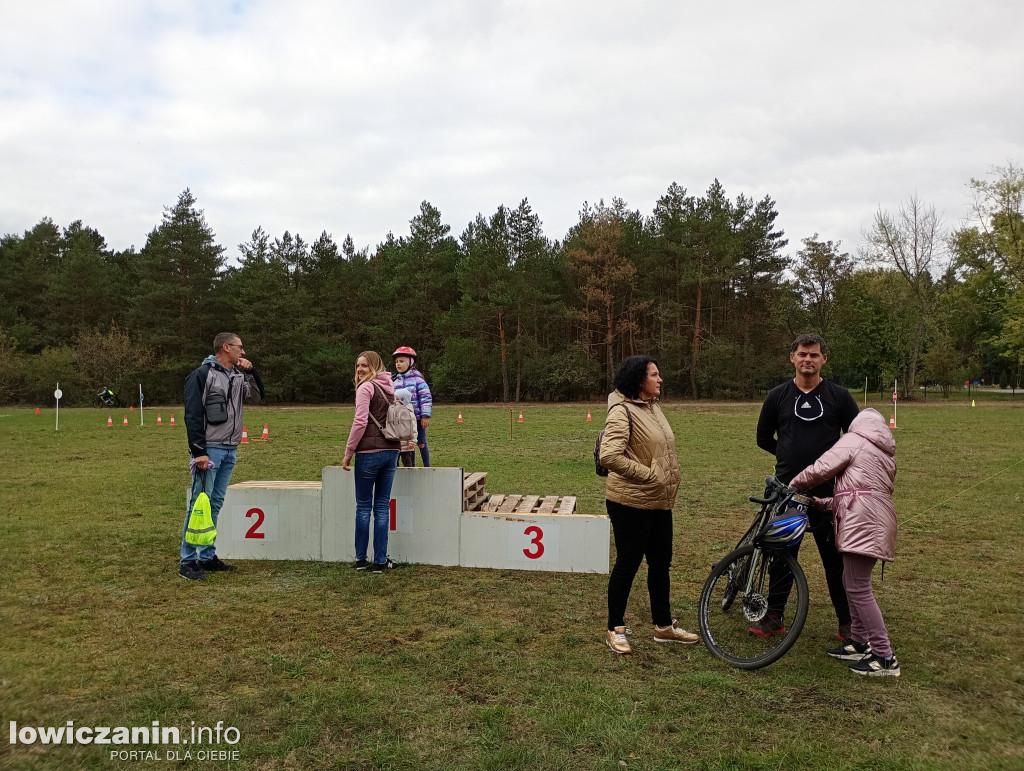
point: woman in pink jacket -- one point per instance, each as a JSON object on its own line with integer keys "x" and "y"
{"x": 864, "y": 467}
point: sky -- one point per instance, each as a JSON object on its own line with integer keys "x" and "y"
{"x": 342, "y": 117}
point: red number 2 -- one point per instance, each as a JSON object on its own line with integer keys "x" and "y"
{"x": 254, "y": 531}
{"x": 537, "y": 534}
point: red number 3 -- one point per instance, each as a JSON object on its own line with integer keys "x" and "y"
{"x": 254, "y": 531}
{"x": 537, "y": 534}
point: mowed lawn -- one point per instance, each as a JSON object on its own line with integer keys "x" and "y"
{"x": 318, "y": 666}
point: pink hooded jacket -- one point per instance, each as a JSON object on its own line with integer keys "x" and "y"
{"x": 364, "y": 394}
{"x": 864, "y": 467}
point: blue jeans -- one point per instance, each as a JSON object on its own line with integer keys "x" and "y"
{"x": 375, "y": 471}
{"x": 217, "y": 480}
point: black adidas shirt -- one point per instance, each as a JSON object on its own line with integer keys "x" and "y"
{"x": 806, "y": 426}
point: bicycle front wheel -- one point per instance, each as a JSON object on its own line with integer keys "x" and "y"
{"x": 733, "y": 622}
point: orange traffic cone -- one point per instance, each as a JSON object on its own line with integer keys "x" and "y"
{"x": 159, "y": 419}
{"x": 172, "y": 418}
{"x": 37, "y": 410}
{"x": 460, "y": 416}
{"x": 110, "y": 421}
{"x": 125, "y": 420}
{"x": 589, "y": 419}
{"x": 245, "y": 435}
{"x": 892, "y": 421}
{"x": 266, "y": 432}
{"x": 132, "y": 408}
{"x": 520, "y": 416}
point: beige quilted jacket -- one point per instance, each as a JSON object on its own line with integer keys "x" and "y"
{"x": 643, "y": 470}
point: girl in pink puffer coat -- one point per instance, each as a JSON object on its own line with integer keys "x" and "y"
{"x": 864, "y": 467}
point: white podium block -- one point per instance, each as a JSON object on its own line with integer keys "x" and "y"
{"x": 270, "y": 521}
{"x": 424, "y": 516}
{"x": 568, "y": 543}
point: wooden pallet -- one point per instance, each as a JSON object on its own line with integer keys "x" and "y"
{"x": 473, "y": 494}
{"x": 529, "y": 504}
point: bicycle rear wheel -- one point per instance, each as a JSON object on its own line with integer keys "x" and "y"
{"x": 727, "y": 612}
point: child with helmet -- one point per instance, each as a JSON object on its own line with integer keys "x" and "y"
{"x": 409, "y": 378}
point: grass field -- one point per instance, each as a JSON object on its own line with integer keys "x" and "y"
{"x": 318, "y": 666}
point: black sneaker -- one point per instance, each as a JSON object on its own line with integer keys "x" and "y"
{"x": 875, "y": 666}
{"x": 361, "y": 564}
{"x": 850, "y": 651}
{"x": 380, "y": 567}
{"x": 191, "y": 571}
{"x": 215, "y": 565}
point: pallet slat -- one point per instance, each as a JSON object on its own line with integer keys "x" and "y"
{"x": 568, "y": 505}
{"x": 528, "y": 504}
{"x": 510, "y": 504}
{"x": 547, "y": 504}
{"x": 493, "y": 502}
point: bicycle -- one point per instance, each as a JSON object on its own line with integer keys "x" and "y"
{"x": 727, "y": 626}
{"x": 106, "y": 399}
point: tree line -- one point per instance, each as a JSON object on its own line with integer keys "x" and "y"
{"x": 501, "y": 312}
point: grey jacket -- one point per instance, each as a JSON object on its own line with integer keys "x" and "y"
{"x": 236, "y": 386}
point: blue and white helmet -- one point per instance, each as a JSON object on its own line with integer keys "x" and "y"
{"x": 787, "y": 530}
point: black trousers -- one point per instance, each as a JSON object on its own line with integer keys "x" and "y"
{"x": 640, "y": 533}
{"x": 780, "y": 578}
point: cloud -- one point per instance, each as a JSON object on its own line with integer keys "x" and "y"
{"x": 343, "y": 117}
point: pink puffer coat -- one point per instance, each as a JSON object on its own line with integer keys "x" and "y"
{"x": 862, "y": 463}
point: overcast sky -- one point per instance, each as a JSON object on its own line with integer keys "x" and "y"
{"x": 312, "y": 116}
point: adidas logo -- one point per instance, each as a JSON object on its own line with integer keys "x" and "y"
{"x": 805, "y": 406}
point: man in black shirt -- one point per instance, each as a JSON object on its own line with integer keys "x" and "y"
{"x": 800, "y": 420}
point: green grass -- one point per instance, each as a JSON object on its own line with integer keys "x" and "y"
{"x": 430, "y": 667}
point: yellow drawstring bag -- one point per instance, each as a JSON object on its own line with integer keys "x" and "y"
{"x": 200, "y": 530}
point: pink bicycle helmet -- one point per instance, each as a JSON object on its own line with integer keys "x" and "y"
{"x": 404, "y": 350}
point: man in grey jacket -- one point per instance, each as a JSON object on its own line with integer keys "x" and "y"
{"x": 214, "y": 393}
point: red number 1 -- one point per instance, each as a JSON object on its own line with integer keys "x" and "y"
{"x": 537, "y": 535}
{"x": 254, "y": 531}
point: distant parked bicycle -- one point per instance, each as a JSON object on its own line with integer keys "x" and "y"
{"x": 735, "y": 595}
{"x": 107, "y": 398}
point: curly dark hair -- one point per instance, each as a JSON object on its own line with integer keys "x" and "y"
{"x": 629, "y": 380}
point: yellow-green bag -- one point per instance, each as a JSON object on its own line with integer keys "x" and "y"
{"x": 200, "y": 530}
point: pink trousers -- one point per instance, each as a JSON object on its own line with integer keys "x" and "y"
{"x": 865, "y": 617}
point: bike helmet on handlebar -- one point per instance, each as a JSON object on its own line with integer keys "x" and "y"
{"x": 789, "y": 527}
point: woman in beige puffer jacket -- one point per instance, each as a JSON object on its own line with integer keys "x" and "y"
{"x": 639, "y": 451}
{"x": 864, "y": 466}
